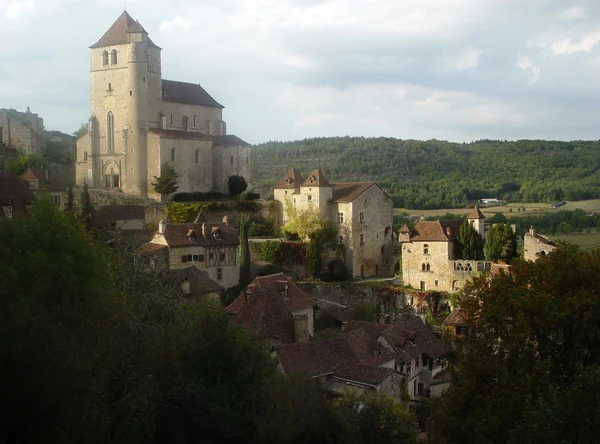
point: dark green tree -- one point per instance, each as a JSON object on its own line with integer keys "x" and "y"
{"x": 167, "y": 182}
{"x": 81, "y": 130}
{"x": 245, "y": 271}
{"x": 471, "y": 242}
{"x": 70, "y": 204}
{"x": 87, "y": 209}
{"x": 313, "y": 258}
{"x": 501, "y": 243}
{"x": 237, "y": 185}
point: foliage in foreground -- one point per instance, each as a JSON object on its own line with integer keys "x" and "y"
{"x": 97, "y": 350}
{"x": 531, "y": 371}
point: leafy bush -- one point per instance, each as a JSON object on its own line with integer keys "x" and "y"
{"x": 237, "y": 185}
{"x": 269, "y": 251}
{"x": 181, "y": 213}
{"x": 268, "y": 269}
{"x": 260, "y": 227}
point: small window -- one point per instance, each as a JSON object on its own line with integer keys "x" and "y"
{"x": 428, "y": 267}
{"x": 362, "y": 239}
{"x": 340, "y": 217}
{"x": 162, "y": 119}
{"x": 231, "y": 160}
{"x": 294, "y": 200}
{"x": 110, "y": 131}
{"x": 222, "y": 256}
{"x": 361, "y": 217}
{"x": 211, "y": 255}
{"x": 425, "y": 248}
{"x": 219, "y": 274}
{"x": 210, "y": 127}
{"x": 437, "y": 283}
{"x": 185, "y": 123}
{"x": 85, "y": 156}
{"x": 309, "y": 198}
{"x": 130, "y": 93}
{"x": 173, "y": 154}
{"x": 247, "y": 159}
{"x": 113, "y": 57}
{"x": 423, "y": 267}
{"x": 109, "y": 87}
{"x": 196, "y": 258}
{"x": 197, "y": 156}
{"x": 171, "y": 118}
{"x": 184, "y": 259}
{"x": 57, "y": 200}
{"x": 105, "y": 58}
{"x": 194, "y": 121}
{"x": 422, "y": 285}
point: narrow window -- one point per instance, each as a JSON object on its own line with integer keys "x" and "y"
{"x": 247, "y": 160}
{"x": 362, "y": 239}
{"x": 185, "y": 123}
{"x": 309, "y": 198}
{"x": 194, "y": 120}
{"x": 219, "y": 274}
{"x": 436, "y": 283}
{"x": 163, "y": 120}
{"x": 422, "y": 285}
{"x": 210, "y": 127}
{"x": 171, "y": 118}
{"x": 110, "y": 132}
{"x": 85, "y": 156}
{"x": 105, "y": 58}
{"x": 422, "y": 267}
{"x": 197, "y": 156}
{"x": 340, "y": 217}
{"x": 109, "y": 86}
{"x": 361, "y": 217}
{"x": 428, "y": 267}
{"x": 231, "y": 160}
{"x": 113, "y": 57}
{"x": 222, "y": 257}
{"x": 425, "y": 248}
{"x": 173, "y": 154}
{"x": 184, "y": 258}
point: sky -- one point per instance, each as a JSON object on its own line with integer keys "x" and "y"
{"x": 457, "y": 70}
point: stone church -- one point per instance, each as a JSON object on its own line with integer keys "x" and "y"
{"x": 139, "y": 121}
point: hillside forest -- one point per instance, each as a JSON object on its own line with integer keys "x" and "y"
{"x": 439, "y": 174}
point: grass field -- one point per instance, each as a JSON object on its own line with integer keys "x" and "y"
{"x": 585, "y": 241}
{"x": 530, "y": 208}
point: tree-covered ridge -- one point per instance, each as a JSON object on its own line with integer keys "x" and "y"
{"x": 440, "y": 174}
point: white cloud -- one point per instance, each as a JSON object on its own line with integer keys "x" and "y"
{"x": 568, "y": 46}
{"x": 176, "y": 23}
{"x": 526, "y": 65}
{"x": 573, "y": 13}
{"x": 467, "y": 59}
{"x": 15, "y": 8}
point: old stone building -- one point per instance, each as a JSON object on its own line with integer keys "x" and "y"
{"x": 430, "y": 257}
{"x": 22, "y": 131}
{"x": 210, "y": 247}
{"x": 40, "y": 181}
{"x": 139, "y": 121}
{"x": 536, "y": 245}
{"x": 362, "y": 211}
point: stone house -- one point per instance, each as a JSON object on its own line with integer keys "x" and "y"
{"x": 430, "y": 255}
{"x": 372, "y": 356}
{"x": 15, "y": 195}
{"x": 22, "y": 131}
{"x": 39, "y": 181}
{"x": 121, "y": 217}
{"x": 457, "y": 323}
{"x": 361, "y": 211}
{"x": 139, "y": 121}
{"x": 210, "y": 247}
{"x": 276, "y": 308}
{"x": 536, "y": 245}
{"x": 194, "y": 284}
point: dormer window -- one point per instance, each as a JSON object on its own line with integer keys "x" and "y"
{"x": 191, "y": 235}
{"x": 289, "y": 181}
{"x": 313, "y": 179}
{"x": 216, "y": 233}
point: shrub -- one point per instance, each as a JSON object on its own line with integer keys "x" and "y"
{"x": 260, "y": 228}
{"x": 237, "y": 185}
{"x": 269, "y": 251}
{"x": 336, "y": 271}
{"x": 181, "y": 213}
{"x": 251, "y": 195}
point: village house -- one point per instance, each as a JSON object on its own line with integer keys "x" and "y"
{"x": 121, "y": 217}
{"x": 21, "y": 131}
{"x": 15, "y": 195}
{"x": 361, "y": 211}
{"x": 194, "y": 284}
{"x": 430, "y": 255}
{"x": 139, "y": 121}
{"x": 39, "y": 181}
{"x": 536, "y": 245}
{"x": 210, "y": 247}
{"x": 274, "y": 307}
{"x": 372, "y": 356}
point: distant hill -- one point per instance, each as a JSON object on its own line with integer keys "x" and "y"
{"x": 439, "y": 174}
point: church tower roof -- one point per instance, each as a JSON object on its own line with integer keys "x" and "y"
{"x": 117, "y": 34}
{"x": 476, "y": 213}
{"x": 316, "y": 179}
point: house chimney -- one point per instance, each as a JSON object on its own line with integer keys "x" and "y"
{"x": 204, "y": 229}
{"x": 226, "y": 220}
{"x": 162, "y": 226}
{"x": 532, "y": 230}
{"x": 185, "y": 286}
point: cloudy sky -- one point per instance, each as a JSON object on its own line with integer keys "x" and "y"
{"x": 455, "y": 70}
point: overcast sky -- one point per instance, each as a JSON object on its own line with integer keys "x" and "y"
{"x": 456, "y": 70}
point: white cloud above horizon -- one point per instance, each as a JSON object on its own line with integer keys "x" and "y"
{"x": 286, "y": 69}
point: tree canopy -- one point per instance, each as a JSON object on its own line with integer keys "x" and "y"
{"x": 500, "y": 243}
{"x": 471, "y": 242}
{"x": 167, "y": 182}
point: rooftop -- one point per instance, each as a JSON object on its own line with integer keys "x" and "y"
{"x": 437, "y": 230}
{"x": 118, "y": 33}
{"x": 189, "y": 93}
{"x": 184, "y": 235}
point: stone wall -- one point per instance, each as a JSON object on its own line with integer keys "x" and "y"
{"x": 23, "y": 131}
{"x": 536, "y": 245}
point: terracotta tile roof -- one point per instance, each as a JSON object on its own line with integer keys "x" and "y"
{"x": 117, "y": 33}
{"x": 476, "y": 213}
{"x": 184, "y": 235}
{"x": 436, "y": 230}
{"x": 275, "y": 283}
{"x": 265, "y": 313}
{"x": 179, "y": 134}
{"x": 457, "y": 317}
{"x": 189, "y": 93}
{"x": 404, "y": 229}
{"x": 316, "y": 179}
{"x": 230, "y": 140}
{"x": 291, "y": 180}
{"x": 12, "y": 187}
{"x": 348, "y": 191}
{"x": 121, "y": 212}
{"x": 35, "y": 173}
{"x": 200, "y": 282}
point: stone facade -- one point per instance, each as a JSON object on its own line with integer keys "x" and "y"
{"x": 430, "y": 257}
{"x": 536, "y": 245}
{"x": 23, "y": 131}
{"x": 361, "y": 210}
{"x": 139, "y": 121}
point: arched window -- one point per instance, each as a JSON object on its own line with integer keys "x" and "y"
{"x": 85, "y": 156}
{"x": 105, "y": 58}
{"x": 428, "y": 267}
{"x": 173, "y": 154}
{"x": 197, "y": 156}
{"x": 422, "y": 267}
{"x": 113, "y": 57}
{"x": 110, "y": 132}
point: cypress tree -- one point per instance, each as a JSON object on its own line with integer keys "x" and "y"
{"x": 245, "y": 272}
{"x": 471, "y": 242}
{"x": 313, "y": 258}
{"x": 70, "y": 199}
{"x": 87, "y": 209}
